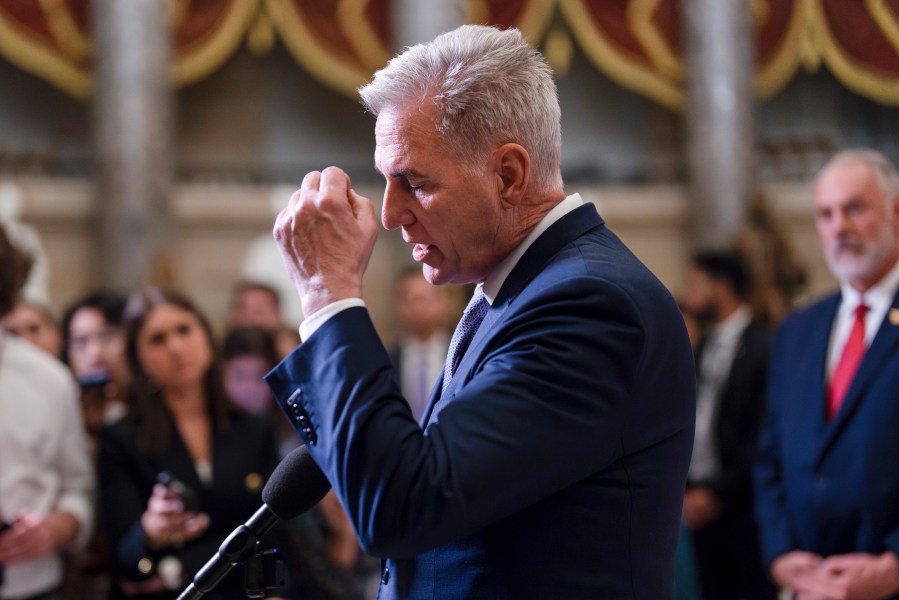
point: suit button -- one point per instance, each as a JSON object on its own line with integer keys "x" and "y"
{"x": 821, "y": 481}
{"x": 385, "y": 575}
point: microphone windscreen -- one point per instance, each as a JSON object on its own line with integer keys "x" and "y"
{"x": 296, "y": 485}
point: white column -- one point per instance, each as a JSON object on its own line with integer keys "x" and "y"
{"x": 133, "y": 131}
{"x": 720, "y": 117}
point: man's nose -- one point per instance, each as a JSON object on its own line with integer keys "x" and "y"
{"x": 395, "y": 208}
{"x": 840, "y": 223}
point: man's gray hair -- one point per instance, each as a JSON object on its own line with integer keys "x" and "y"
{"x": 489, "y": 87}
{"x": 887, "y": 175}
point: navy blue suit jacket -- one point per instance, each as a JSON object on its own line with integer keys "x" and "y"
{"x": 829, "y": 487}
{"x": 554, "y": 464}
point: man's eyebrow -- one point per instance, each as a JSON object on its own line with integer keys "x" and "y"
{"x": 403, "y": 174}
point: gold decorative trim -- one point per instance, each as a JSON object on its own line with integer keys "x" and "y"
{"x": 774, "y": 76}
{"x": 855, "y": 75}
{"x": 210, "y": 53}
{"x": 535, "y": 19}
{"x": 532, "y": 22}
{"x": 365, "y": 41}
{"x": 300, "y": 42}
{"x": 38, "y": 60}
{"x": 65, "y": 30}
{"x": 809, "y": 56}
{"x": 604, "y": 54}
{"x": 558, "y": 48}
{"x": 178, "y": 11}
{"x": 639, "y": 18}
{"x": 477, "y": 11}
{"x": 261, "y": 35}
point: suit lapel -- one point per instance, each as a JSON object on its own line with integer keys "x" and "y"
{"x": 884, "y": 345}
{"x": 813, "y": 373}
{"x": 570, "y": 227}
{"x": 562, "y": 232}
{"x": 178, "y": 462}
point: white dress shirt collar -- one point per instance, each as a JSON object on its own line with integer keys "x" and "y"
{"x": 733, "y": 326}
{"x": 500, "y": 272}
{"x": 877, "y": 297}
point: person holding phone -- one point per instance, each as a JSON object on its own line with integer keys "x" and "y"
{"x": 94, "y": 347}
{"x": 183, "y": 468}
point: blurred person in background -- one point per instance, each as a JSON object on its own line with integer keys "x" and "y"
{"x": 827, "y": 487}
{"x": 183, "y": 468}
{"x": 46, "y": 480}
{"x": 34, "y": 322}
{"x": 94, "y": 348}
{"x": 248, "y": 353}
{"x": 423, "y": 314}
{"x": 731, "y": 372}
{"x": 257, "y": 304}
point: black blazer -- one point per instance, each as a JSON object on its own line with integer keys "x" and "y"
{"x": 741, "y": 408}
{"x": 242, "y": 459}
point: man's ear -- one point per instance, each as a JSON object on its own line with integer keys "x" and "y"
{"x": 513, "y": 172}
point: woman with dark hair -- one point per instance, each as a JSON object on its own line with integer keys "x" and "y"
{"x": 183, "y": 468}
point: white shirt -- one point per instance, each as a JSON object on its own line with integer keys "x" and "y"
{"x": 44, "y": 462}
{"x": 878, "y": 299}
{"x": 492, "y": 284}
{"x": 719, "y": 350}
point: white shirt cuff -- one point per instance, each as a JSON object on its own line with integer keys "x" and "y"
{"x": 311, "y": 323}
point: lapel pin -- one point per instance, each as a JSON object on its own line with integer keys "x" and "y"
{"x": 894, "y": 316}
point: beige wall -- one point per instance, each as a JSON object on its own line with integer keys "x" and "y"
{"x": 218, "y": 223}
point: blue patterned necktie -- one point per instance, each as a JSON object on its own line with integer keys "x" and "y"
{"x": 474, "y": 313}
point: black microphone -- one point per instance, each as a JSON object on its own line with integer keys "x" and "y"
{"x": 296, "y": 485}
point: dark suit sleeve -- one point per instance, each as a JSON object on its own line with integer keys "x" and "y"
{"x": 545, "y": 406}
{"x": 775, "y": 530}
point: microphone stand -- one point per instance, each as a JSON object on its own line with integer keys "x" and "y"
{"x": 238, "y": 548}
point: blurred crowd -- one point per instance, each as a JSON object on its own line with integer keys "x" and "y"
{"x": 178, "y": 435}
{"x": 790, "y": 487}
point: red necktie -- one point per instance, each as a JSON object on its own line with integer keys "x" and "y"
{"x": 846, "y": 367}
